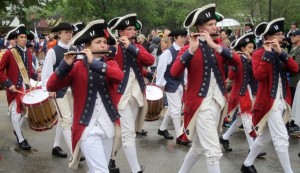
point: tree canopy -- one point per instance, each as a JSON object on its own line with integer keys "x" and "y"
{"x": 160, "y": 13}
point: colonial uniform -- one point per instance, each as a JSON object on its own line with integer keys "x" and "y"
{"x": 131, "y": 91}
{"x": 13, "y": 76}
{"x": 205, "y": 95}
{"x": 172, "y": 86}
{"x": 272, "y": 104}
{"x": 64, "y": 97}
{"x": 95, "y": 99}
{"x": 242, "y": 93}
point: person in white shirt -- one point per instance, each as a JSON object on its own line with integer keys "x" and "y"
{"x": 63, "y": 98}
{"x": 172, "y": 86}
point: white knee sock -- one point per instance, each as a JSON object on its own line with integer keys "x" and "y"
{"x": 177, "y": 122}
{"x": 130, "y": 153}
{"x": 67, "y": 135}
{"x": 58, "y": 136}
{"x": 165, "y": 122}
{"x": 15, "y": 118}
{"x": 189, "y": 161}
{"x": 255, "y": 150}
{"x": 247, "y": 128}
{"x": 232, "y": 129}
{"x": 215, "y": 168}
{"x": 285, "y": 161}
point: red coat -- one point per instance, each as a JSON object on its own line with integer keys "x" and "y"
{"x": 263, "y": 72}
{"x": 78, "y": 80}
{"x": 144, "y": 58}
{"x": 235, "y": 97}
{"x": 9, "y": 64}
{"x": 195, "y": 78}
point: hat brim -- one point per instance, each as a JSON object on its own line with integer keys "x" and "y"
{"x": 81, "y": 37}
{"x": 268, "y": 26}
{"x": 260, "y": 29}
{"x": 237, "y": 42}
{"x": 114, "y": 24}
{"x": 191, "y": 19}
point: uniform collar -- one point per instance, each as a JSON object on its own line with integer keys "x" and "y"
{"x": 176, "y": 46}
{"x": 65, "y": 46}
{"x": 23, "y": 49}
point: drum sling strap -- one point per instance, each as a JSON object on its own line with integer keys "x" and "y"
{"x": 21, "y": 66}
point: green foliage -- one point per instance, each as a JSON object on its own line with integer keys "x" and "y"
{"x": 161, "y": 13}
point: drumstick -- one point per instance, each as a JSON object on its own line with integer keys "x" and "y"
{"x": 37, "y": 81}
{"x": 153, "y": 76}
{"x": 21, "y": 92}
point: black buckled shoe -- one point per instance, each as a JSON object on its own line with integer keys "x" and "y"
{"x": 142, "y": 133}
{"x": 261, "y": 154}
{"x": 24, "y": 145}
{"x": 82, "y": 158}
{"x": 165, "y": 134}
{"x": 142, "y": 169}
{"x": 225, "y": 144}
{"x": 57, "y": 151}
{"x": 248, "y": 169}
{"x": 181, "y": 142}
{"x": 112, "y": 167}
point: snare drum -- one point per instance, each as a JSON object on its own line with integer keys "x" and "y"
{"x": 34, "y": 83}
{"x": 40, "y": 108}
{"x": 154, "y": 97}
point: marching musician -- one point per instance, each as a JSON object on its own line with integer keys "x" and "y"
{"x": 131, "y": 58}
{"x": 205, "y": 94}
{"x": 172, "y": 86}
{"x": 63, "y": 98}
{"x": 15, "y": 81}
{"x": 95, "y": 105}
{"x": 243, "y": 90}
{"x": 272, "y": 105}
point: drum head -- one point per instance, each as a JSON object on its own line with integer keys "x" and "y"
{"x": 33, "y": 83}
{"x": 153, "y": 92}
{"x": 35, "y": 96}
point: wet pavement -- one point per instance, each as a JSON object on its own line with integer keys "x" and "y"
{"x": 155, "y": 153}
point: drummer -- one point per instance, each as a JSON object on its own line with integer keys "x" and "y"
{"x": 15, "y": 81}
{"x": 172, "y": 86}
{"x": 92, "y": 80}
{"x": 63, "y": 97}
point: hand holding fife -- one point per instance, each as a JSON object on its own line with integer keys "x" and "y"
{"x": 69, "y": 58}
{"x": 89, "y": 55}
{"x": 125, "y": 41}
{"x": 276, "y": 46}
{"x": 267, "y": 46}
{"x": 194, "y": 43}
{"x": 209, "y": 40}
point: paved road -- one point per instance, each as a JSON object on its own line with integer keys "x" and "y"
{"x": 158, "y": 155}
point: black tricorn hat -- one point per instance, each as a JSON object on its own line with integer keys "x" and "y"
{"x": 264, "y": 28}
{"x": 30, "y": 36}
{"x": 124, "y": 22}
{"x": 95, "y": 29}
{"x": 21, "y": 29}
{"x": 243, "y": 41}
{"x": 78, "y": 27}
{"x": 178, "y": 32}
{"x": 62, "y": 26}
{"x": 202, "y": 15}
